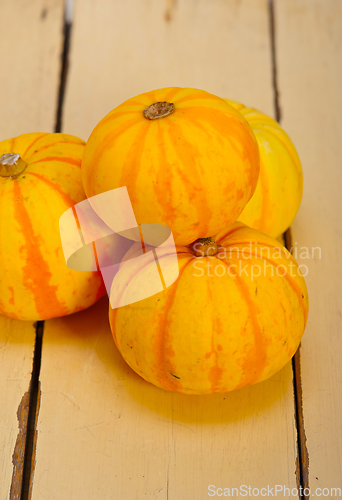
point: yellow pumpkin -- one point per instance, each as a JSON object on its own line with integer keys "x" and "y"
{"x": 189, "y": 160}
{"x": 40, "y": 178}
{"x": 278, "y": 194}
{"x": 234, "y": 317}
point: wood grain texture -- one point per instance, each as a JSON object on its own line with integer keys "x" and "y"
{"x": 103, "y": 431}
{"x": 16, "y": 350}
{"x": 120, "y": 49}
{"x": 309, "y": 54}
{"x": 114, "y": 435}
{"x": 30, "y": 44}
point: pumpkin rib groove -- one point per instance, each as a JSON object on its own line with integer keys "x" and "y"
{"x": 287, "y": 256}
{"x": 260, "y": 353}
{"x": 32, "y": 143}
{"x": 131, "y": 170}
{"x": 215, "y": 373}
{"x": 66, "y": 198}
{"x": 49, "y": 146}
{"x": 291, "y": 282}
{"x": 197, "y": 96}
{"x": 231, "y": 231}
{"x": 293, "y": 158}
{"x": 252, "y": 117}
{"x": 160, "y": 349}
{"x": 172, "y": 94}
{"x": 110, "y": 139}
{"x": 165, "y": 178}
{"x": 38, "y": 280}
{"x": 224, "y": 128}
{"x": 116, "y": 114}
{"x": 265, "y": 198}
{"x": 70, "y": 161}
{"x": 200, "y": 204}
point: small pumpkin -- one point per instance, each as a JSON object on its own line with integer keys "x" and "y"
{"x": 189, "y": 160}
{"x": 234, "y": 317}
{"x": 278, "y": 194}
{"x": 40, "y": 178}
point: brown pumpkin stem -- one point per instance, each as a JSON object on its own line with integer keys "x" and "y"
{"x": 11, "y": 165}
{"x": 159, "y": 110}
{"x": 204, "y": 247}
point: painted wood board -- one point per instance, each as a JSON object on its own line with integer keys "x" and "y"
{"x": 102, "y": 431}
{"x": 309, "y": 54}
{"x": 30, "y": 45}
{"x": 120, "y": 49}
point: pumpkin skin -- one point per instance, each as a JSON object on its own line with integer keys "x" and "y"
{"x": 210, "y": 332}
{"x": 193, "y": 170}
{"x": 36, "y": 283}
{"x": 278, "y": 194}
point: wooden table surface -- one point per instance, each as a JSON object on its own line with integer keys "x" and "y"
{"x": 96, "y": 430}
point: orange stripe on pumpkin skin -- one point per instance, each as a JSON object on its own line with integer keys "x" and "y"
{"x": 108, "y": 142}
{"x": 287, "y": 255}
{"x": 117, "y": 114}
{"x": 224, "y": 126}
{"x": 11, "y": 300}
{"x": 36, "y": 273}
{"x": 257, "y": 354}
{"x": 50, "y": 146}
{"x": 56, "y": 187}
{"x": 31, "y": 144}
{"x": 186, "y": 156}
{"x": 71, "y": 161}
{"x": 163, "y": 354}
{"x": 131, "y": 168}
{"x": 292, "y": 283}
{"x": 215, "y": 372}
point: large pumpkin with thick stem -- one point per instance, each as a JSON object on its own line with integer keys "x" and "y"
{"x": 234, "y": 317}
{"x": 189, "y": 160}
{"x": 278, "y": 194}
{"x": 40, "y": 179}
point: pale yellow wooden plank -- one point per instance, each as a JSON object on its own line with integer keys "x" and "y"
{"x": 16, "y": 351}
{"x": 103, "y": 431}
{"x": 309, "y": 52}
{"x": 120, "y": 49}
{"x": 30, "y": 46}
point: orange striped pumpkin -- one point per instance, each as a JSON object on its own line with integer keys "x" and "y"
{"x": 188, "y": 159}
{"x": 42, "y": 182}
{"x": 234, "y": 317}
{"x": 278, "y": 194}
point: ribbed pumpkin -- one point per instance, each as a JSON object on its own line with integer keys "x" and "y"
{"x": 223, "y": 324}
{"x": 189, "y": 160}
{"x": 278, "y": 194}
{"x": 40, "y": 178}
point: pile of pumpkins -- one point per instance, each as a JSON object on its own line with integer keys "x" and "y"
{"x": 225, "y": 178}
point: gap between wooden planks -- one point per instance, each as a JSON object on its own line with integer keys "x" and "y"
{"x": 309, "y": 49}
{"x": 30, "y": 44}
